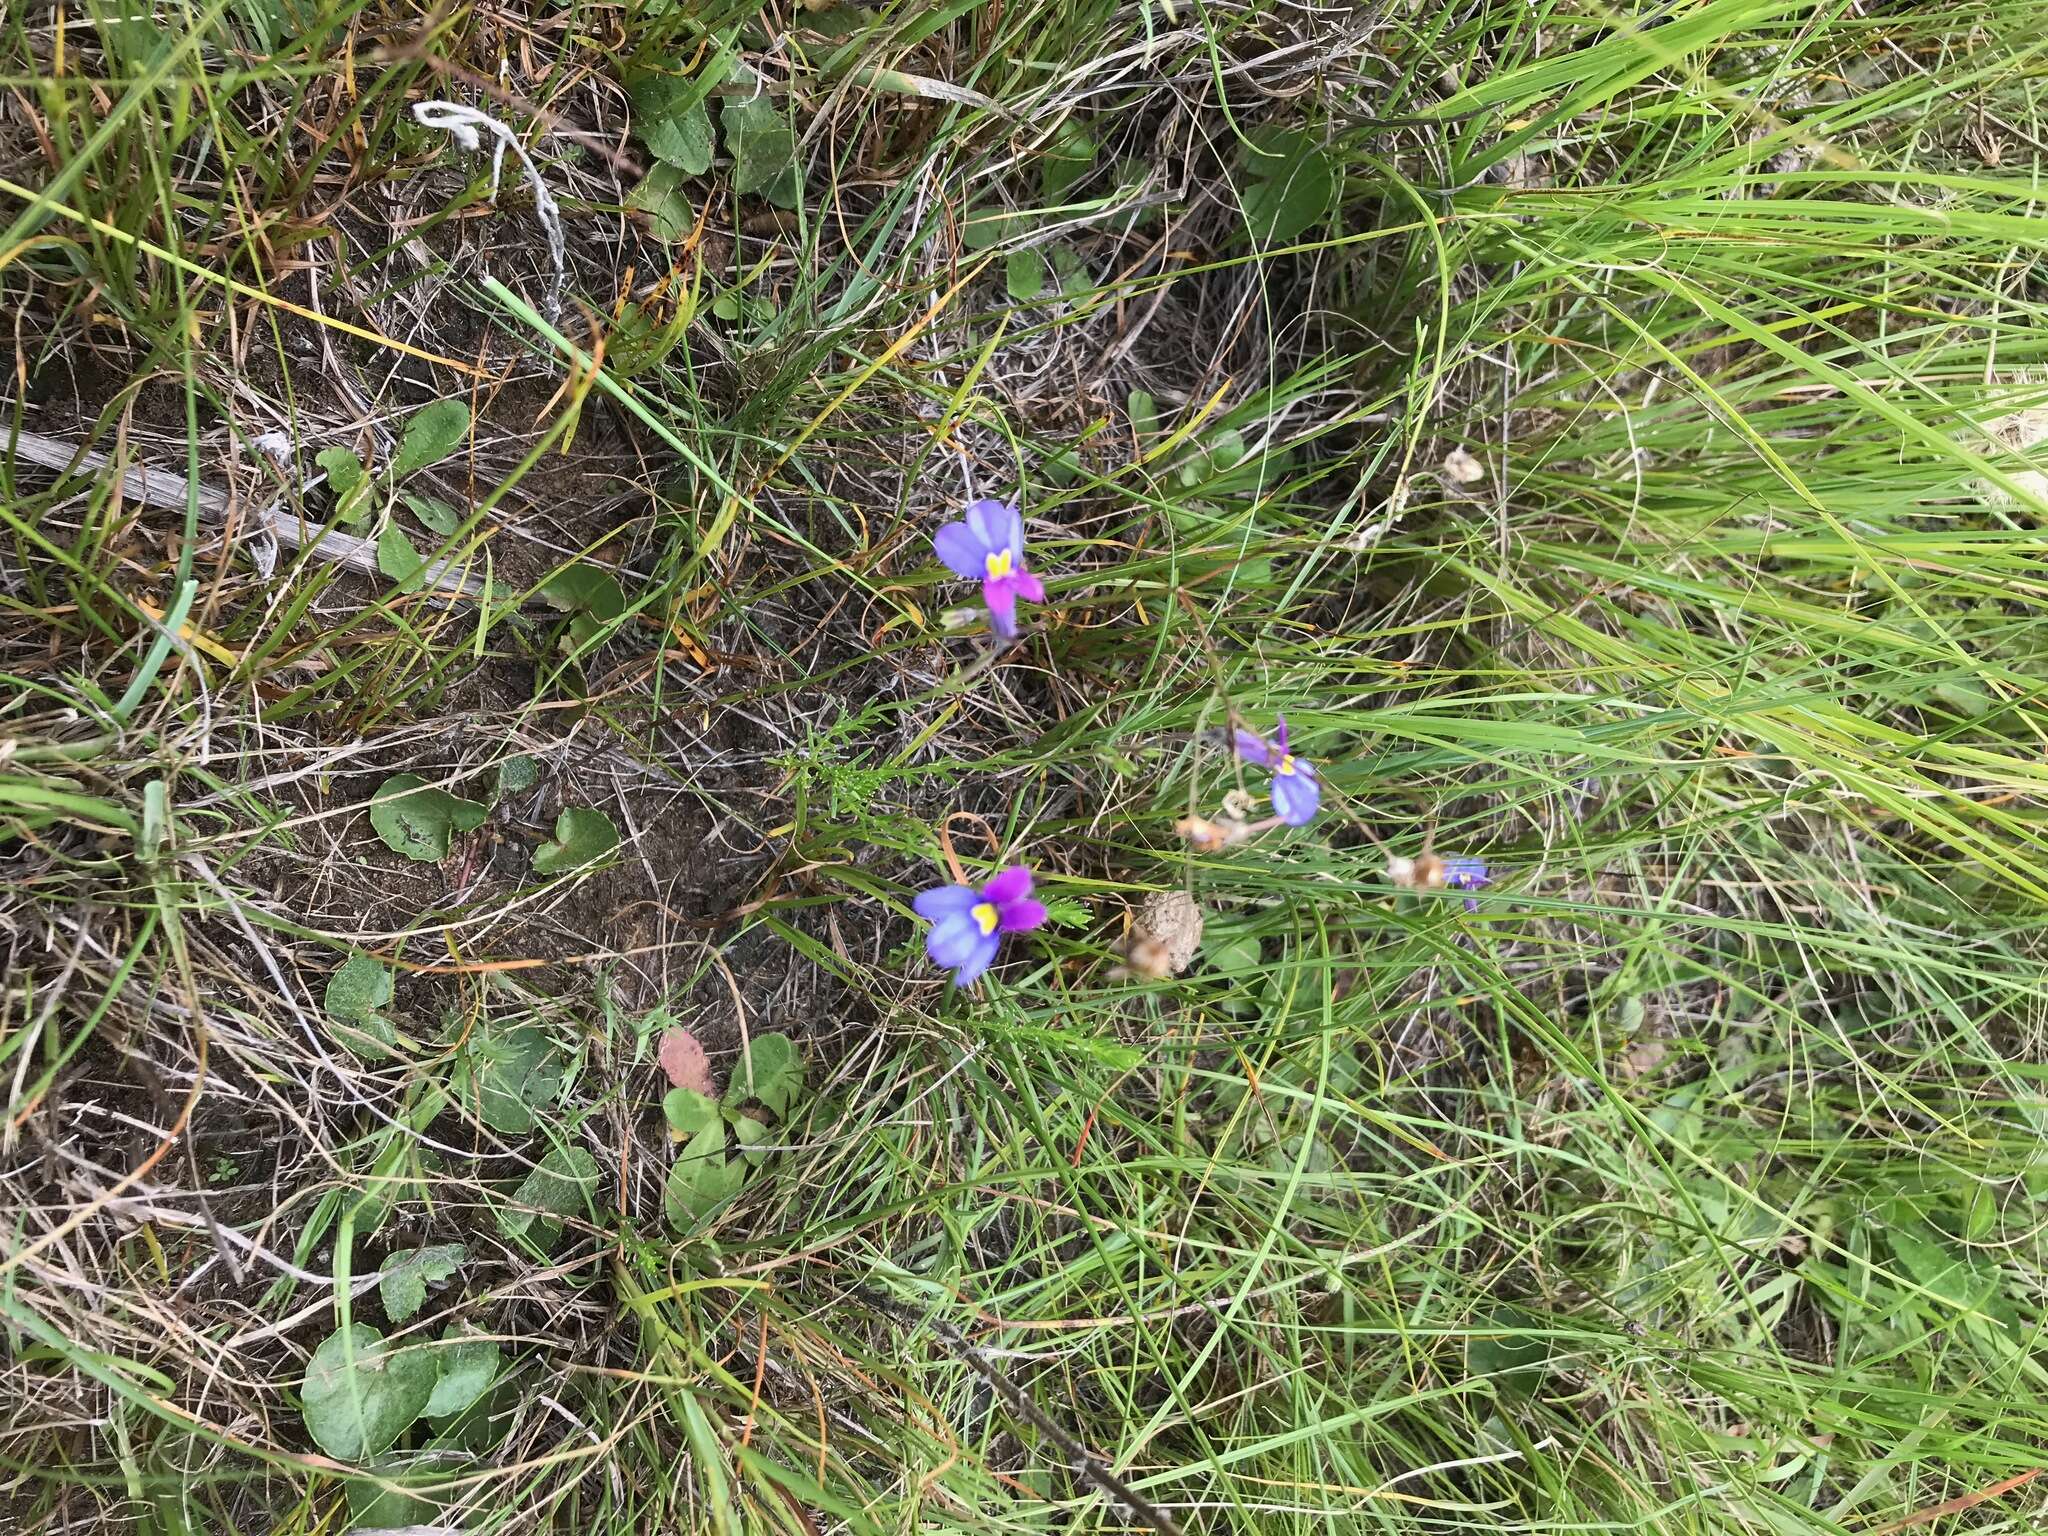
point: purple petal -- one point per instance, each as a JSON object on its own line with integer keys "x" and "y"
{"x": 967, "y": 971}
{"x": 1011, "y": 885}
{"x": 944, "y": 901}
{"x": 999, "y": 526}
{"x": 1296, "y": 797}
{"x": 954, "y": 940}
{"x": 962, "y": 553}
{"x": 1029, "y": 587}
{"x": 1471, "y": 903}
{"x": 1253, "y": 749}
{"x": 1021, "y": 916}
{"x": 1280, "y": 735}
{"x": 1000, "y": 593}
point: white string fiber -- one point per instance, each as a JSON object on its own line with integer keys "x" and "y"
{"x": 452, "y": 117}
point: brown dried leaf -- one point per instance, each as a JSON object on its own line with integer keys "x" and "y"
{"x": 683, "y": 1059}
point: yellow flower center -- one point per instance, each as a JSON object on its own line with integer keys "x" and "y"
{"x": 1285, "y": 765}
{"x": 999, "y": 563}
{"x": 985, "y": 915}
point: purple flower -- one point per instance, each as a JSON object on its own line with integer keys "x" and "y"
{"x": 988, "y": 546}
{"x": 1296, "y": 790}
{"x": 968, "y": 925}
{"x": 1465, "y": 873}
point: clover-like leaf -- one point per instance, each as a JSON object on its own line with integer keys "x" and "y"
{"x": 1291, "y": 184}
{"x": 673, "y": 124}
{"x": 418, "y": 819}
{"x": 360, "y": 1394}
{"x": 688, "y": 1112}
{"x": 763, "y": 151}
{"x": 562, "y": 1184}
{"x": 402, "y": 1282}
{"x": 682, "y": 1058}
{"x": 582, "y": 836}
{"x": 771, "y": 1072}
{"x": 505, "y": 1074}
{"x": 467, "y": 1368}
{"x": 431, "y": 434}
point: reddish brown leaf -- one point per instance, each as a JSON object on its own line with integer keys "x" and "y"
{"x": 683, "y": 1059}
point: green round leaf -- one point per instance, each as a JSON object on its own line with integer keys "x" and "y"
{"x": 701, "y": 1179}
{"x": 397, "y": 558}
{"x": 753, "y": 1138}
{"x": 1068, "y": 157}
{"x": 516, "y": 775}
{"x": 1506, "y": 1353}
{"x": 418, "y": 820}
{"x": 593, "y": 596}
{"x": 1024, "y": 275}
{"x": 771, "y": 1072}
{"x": 435, "y": 515}
{"x": 1291, "y": 185}
{"x": 360, "y": 1394}
{"x": 661, "y": 195}
{"x": 356, "y": 994}
{"x": 467, "y": 1368}
{"x": 505, "y": 1074}
{"x": 674, "y": 127}
{"x": 433, "y": 432}
{"x": 763, "y": 151}
{"x": 402, "y": 1282}
{"x": 581, "y": 837}
{"x": 359, "y": 987}
{"x": 688, "y": 1112}
{"x": 562, "y": 1184}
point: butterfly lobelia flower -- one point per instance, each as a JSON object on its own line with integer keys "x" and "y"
{"x": 968, "y": 925}
{"x": 987, "y": 545}
{"x": 1296, "y": 790}
{"x": 1434, "y": 872}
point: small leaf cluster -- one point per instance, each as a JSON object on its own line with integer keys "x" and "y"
{"x": 673, "y": 117}
{"x": 432, "y": 433}
{"x": 422, "y": 820}
{"x": 705, "y": 1174}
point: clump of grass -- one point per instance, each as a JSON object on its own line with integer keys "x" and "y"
{"x": 1602, "y": 435}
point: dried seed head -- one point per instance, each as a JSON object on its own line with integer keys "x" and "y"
{"x": 1462, "y": 469}
{"x": 1210, "y": 836}
{"x": 1423, "y": 874}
